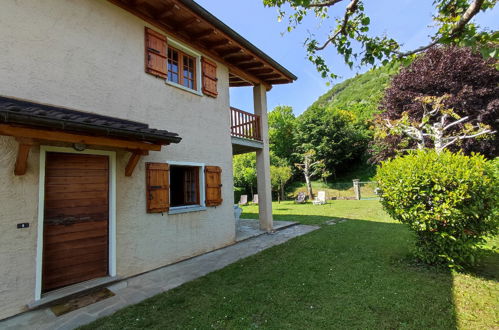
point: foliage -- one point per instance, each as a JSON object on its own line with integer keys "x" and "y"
{"x": 440, "y": 127}
{"x": 352, "y": 40}
{"x": 449, "y": 200}
{"x": 310, "y": 167}
{"x": 244, "y": 168}
{"x": 279, "y": 176}
{"x": 361, "y": 94}
{"x": 336, "y": 137}
{"x": 353, "y": 275}
{"x": 472, "y": 86}
{"x": 282, "y": 130}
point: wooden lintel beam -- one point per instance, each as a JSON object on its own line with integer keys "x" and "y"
{"x": 134, "y": 160}
{"x": 269, "y": 76}
{"x": 58, "y": 136}
{"x": 278, "y": 81}
{"x": 22, "y": 156}
{"x": 240, "y": 84}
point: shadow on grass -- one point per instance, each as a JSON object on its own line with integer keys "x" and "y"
{"x": 488, "y": 266}
{"x": 352, "y": 275}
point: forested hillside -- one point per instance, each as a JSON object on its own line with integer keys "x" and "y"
{"x": 360, "y": 94}
{"x": 335, "y": 131}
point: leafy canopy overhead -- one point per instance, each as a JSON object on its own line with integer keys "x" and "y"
{"x": 352, "y": 40}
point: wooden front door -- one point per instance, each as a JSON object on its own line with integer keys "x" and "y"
{"x": 76, "y": 222}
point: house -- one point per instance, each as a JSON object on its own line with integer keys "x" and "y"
{"x": 117, "y": 138}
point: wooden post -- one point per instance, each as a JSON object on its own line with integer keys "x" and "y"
{"x": 356, "y": 188}
{"x": 22, "y": 156}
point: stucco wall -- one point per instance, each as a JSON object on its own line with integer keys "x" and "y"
{"x": 89, "y": 55}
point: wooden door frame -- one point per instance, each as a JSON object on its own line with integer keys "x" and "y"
{"x": 41, "y": 209}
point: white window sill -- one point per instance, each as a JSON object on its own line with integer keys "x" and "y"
{"x": 186, "y": 209}
{"x": 195, "y": 92}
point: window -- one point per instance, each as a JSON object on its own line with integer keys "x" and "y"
{"x": 181, "y": 68}
{"x": 184, "y": 185}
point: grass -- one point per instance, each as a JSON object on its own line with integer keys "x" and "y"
{"x": 337, "y": 190}
{"x": 352, "y": 275}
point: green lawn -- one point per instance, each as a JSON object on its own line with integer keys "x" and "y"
{"x": 352, "y": 275}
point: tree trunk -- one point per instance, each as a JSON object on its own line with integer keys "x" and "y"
{"x": 282, "y": 192}
{"x": 309, "y": 186}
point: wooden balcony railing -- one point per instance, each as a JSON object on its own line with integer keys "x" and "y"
{"x": 245, "y": 125}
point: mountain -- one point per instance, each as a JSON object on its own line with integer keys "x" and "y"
{"x": 360, "y": 94}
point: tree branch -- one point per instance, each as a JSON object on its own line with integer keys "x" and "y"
{"x": 351, "y": 8}
{"x": 472, "y": 10}
{"x": 324, "y": 4}
{"x": 455, "y": 123}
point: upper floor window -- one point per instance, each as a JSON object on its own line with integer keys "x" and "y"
{"x": 181, "y": 68}
{"x": 179, "y": 65}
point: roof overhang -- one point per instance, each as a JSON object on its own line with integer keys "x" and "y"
{"x": 195, "y": 26}
{"x": 32, "y": 123}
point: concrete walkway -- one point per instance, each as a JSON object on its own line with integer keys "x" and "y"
{"x": 136, "y": 289}
{"x": 247, "y": 228}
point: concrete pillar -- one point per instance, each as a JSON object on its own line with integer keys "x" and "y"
{"x": 263, "y": 161}
{"x": 356, "y": 188}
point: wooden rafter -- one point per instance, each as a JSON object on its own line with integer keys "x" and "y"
{"x": 219, "y": 43}
{"x": 269, "y": 76}
{"x": 257, "y": 71}
{"x": 203, "y": 34}
{"x": 252, "y": 65}
{"x": 168, "y": 10}
{"x": 58, "y": 136}
{"x": 189, "y": 22}
{"x": 247, "y": 60}
{"x": 237, "y": 57}
{"x": 198, "y": 42}
{"x": 234, "y": 50}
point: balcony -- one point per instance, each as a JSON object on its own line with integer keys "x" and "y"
{"x": 245, "y": 129}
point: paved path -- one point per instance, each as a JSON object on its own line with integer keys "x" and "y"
{"x": 136, "y": 289}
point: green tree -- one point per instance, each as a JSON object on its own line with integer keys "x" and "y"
{"x": 336, "y": 136}
{"x": 279, "y": 175}
{"x": 350, "y": 36}
{"x": 244, "y": 167}
{"x": 282, "y": 130}
{"x": 310, "y": 167}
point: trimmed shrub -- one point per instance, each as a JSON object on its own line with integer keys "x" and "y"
{"x": 449, "y": 200}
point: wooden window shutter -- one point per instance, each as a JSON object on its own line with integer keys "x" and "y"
{"x": 158, "y": 187}
{"x": 155, "y": 53}
{"x": 213, "y": 178}
{"x": 210, "y": 79}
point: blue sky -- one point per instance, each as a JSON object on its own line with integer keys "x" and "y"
{"x": 405, "y": 20}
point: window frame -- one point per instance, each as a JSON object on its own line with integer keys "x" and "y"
{"x": 201, "y": 189}
{"x": 183, "y": 50}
